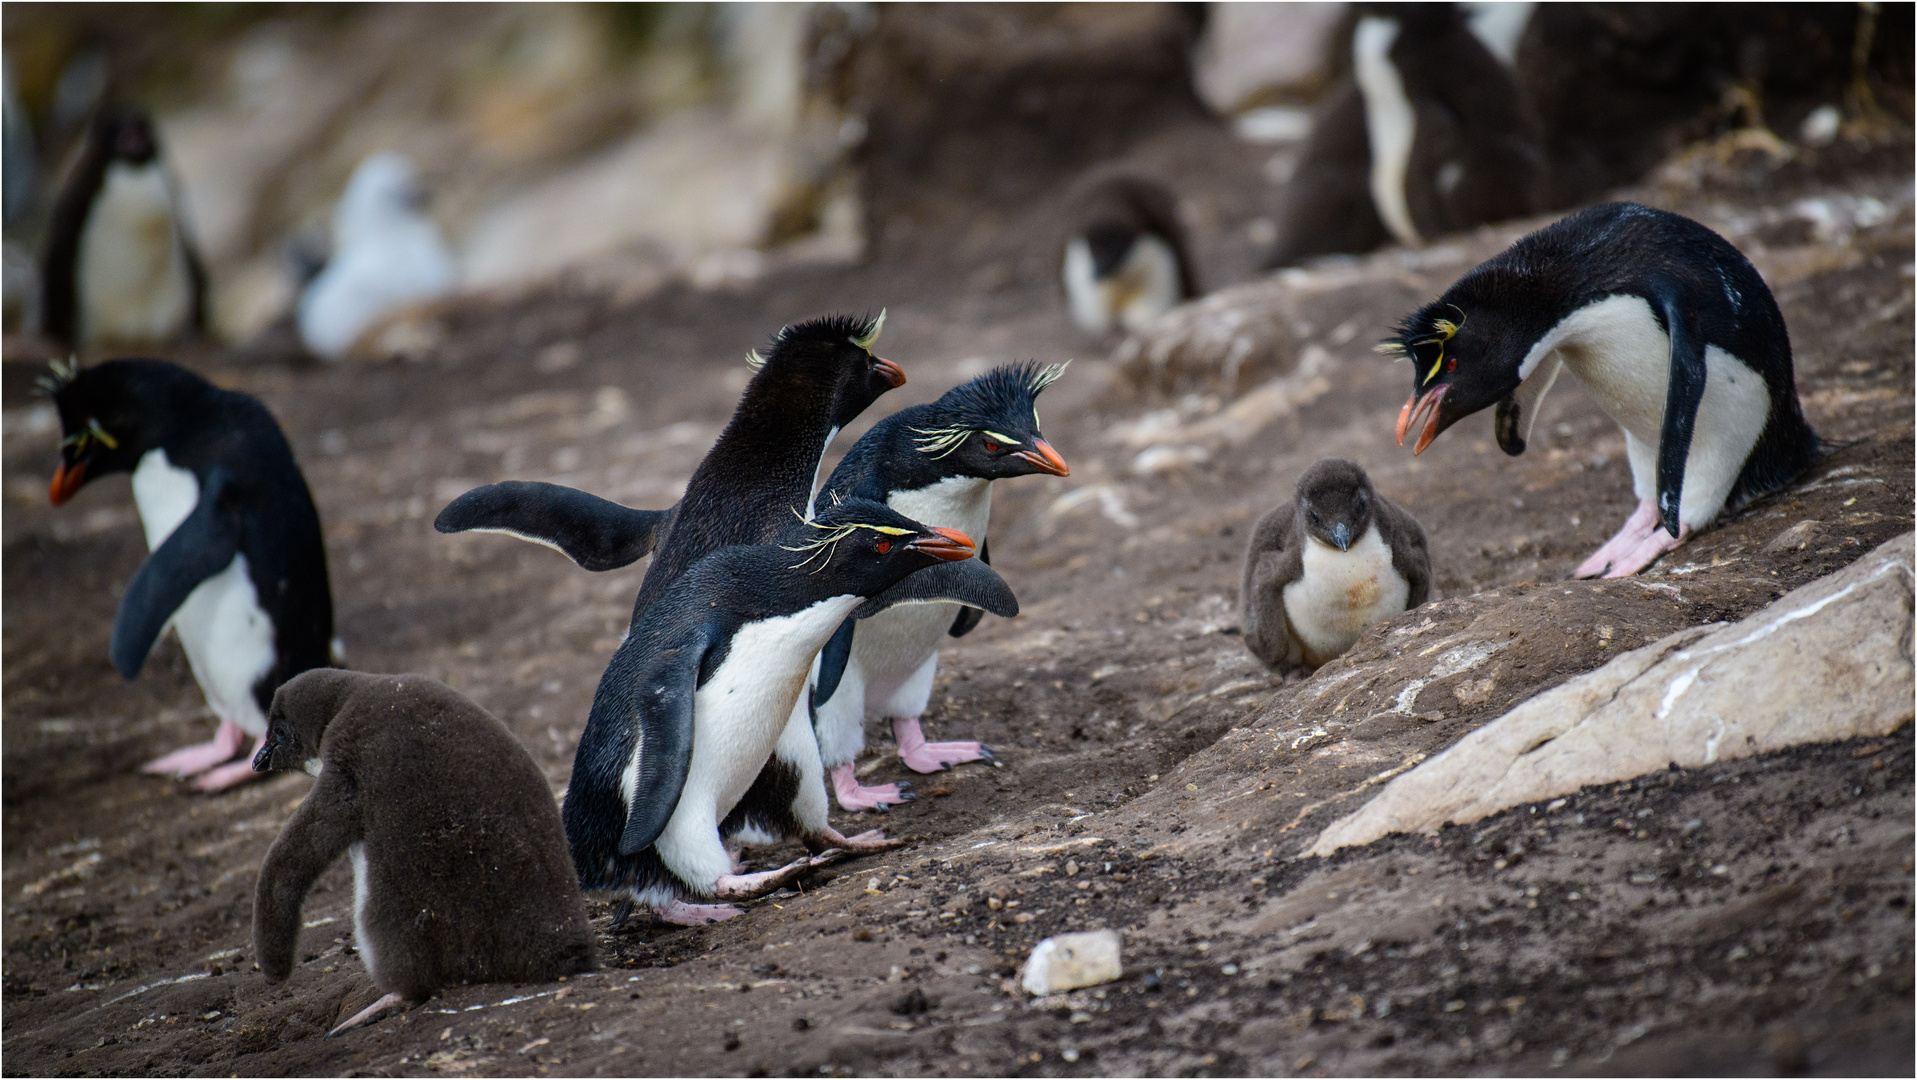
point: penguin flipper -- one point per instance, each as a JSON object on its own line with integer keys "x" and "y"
{"x": 201, "y": 546}
{"x": 1273, "y": 560}
{"x": 1518, "y": 413}
{"x": 832, "y": 660}
{"x": 968, "y": 581}
{"x": 1681, "y": 401}
{"x": 969, "y": 617}
{"x": 596, "y": 533}
{"x": 662, "y": 744}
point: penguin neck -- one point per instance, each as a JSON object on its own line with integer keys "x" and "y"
{"x": 955, "y": 502}
{"x": 769, "y": 455}
{"x": 164, "y": 494}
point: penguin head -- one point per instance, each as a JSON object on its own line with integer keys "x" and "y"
{"x": 125, "y": 135}
{"x": 111, "y": 414}
{"x": 1335, "y": 502}
{"x": 1464, "y": 355}
{"x": 989, "y": 427}
{"x": 384, "y": 189}
{"x": 832, "y": 354}
{"x": 302, "y": 708}
{"x": 863, "y": 546}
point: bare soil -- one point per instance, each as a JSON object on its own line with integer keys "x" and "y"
{"x": 1752, "y": 917}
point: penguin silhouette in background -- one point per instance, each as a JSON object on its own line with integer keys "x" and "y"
{"x": 1124, "y": 262}
{"x": 1430, "y": 135}
{"x": 119, "y": 263}
{"x": 238, "y": 566}
{"x": 1666, "y": 324}
{"x": 460, "y": 868}
{"x": 702, "y": 689}
{"x": 386, "y": 253}
{"x": 934, "y": 463}
{"x": 1326, "y": 566}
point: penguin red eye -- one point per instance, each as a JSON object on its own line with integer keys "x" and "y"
{"x": 1451, "y": 364}
{"x": 991, "y": 447}
{"x": 885, "y": 546}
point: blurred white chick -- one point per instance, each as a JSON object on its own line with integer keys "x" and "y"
{"x": 386, "y": 253}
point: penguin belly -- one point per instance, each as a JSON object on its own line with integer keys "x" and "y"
{"x": 369, "y": 281}
{"x": 228, "y": 637}
{"x": 1341, "y": 593}
{"x": 362, "y": 899}
{"x": 738, "y": 717}
{"x": 1146, "y": 286}
{"x": 1617, "y": 349}
{"x": 133, "y": 279}
{"x": 1390, "y": 123}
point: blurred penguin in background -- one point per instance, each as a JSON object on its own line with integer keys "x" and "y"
{"x": 119, "y": 263}
{"x": 20, "y": 172}
{"x": 1125, "y": 261}
{"x": 386, "y": 253}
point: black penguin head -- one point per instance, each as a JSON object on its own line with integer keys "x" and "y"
{"x": 1335, "y": 502}
{"x": 1465, "y": 356}
{"x": 302, "y": 708}
{"x": 835, "y": 350}
{"x": 865, "y": 547}
{"x": 113, "y": 413}
{"x": 125, "y": 135}
{"x": 989, "y": 428}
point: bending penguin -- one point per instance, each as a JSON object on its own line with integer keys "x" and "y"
{"x": 1125, "y": 261}
{"x": 934, "y": 463}
{"x": 1324, "y": 567}
{"x": 1666, "y": 324}
{"x": 460, "y": 870}
{"x": 702, "y": 689}
{"x": 120, "y": 263}
{"x": 238, "y": 566}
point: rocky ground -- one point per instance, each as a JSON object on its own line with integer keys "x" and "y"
{"x": 1747, "y": 917}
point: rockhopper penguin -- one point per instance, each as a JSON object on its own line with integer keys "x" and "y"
{"x": 701, "y": 690}
{"x": 934, "y": 463}
{"x": 1666, "y": 324}
{"x": 460, "y": 871}
{"x": 1125, "y": 261}
{"x": 1324, "y": 567}
{"x": 238, "y": 566}
{"x": 119, "y": 262}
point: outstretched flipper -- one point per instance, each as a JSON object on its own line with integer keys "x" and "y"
{"x": 202, "y": 546}
{"x": 662, "y": 745}
{"x": 968, "y": 617}
{"x": 969, "y": 582}
{"x": 596, "y": 533}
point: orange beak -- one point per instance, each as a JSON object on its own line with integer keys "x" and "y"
{"x": 948, "y": 544}
{"x": 1414, "y": 407}
{"x": 893, "y": 373}
{"x": 66, "y": 480}
{"x": 1045, "y": 459}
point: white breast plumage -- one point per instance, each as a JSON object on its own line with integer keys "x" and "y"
{"x": 1341, "y": 593}
{"x": 133, "y": 277}
{"x": 1390, "y": 123}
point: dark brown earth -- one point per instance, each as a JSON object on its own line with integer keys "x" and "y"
{"x": 1751, "y": 917}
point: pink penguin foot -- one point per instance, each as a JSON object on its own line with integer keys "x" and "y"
{"x": 196, "y": 759}
{"x": 753, "y": 886}
{"x": 829, "y": 843}
{"x": 930, "y": 757}
{"x": 366, "y": 1015}
{"x": 855, "y": 796}
{"x": 231, "y": 775}
{"x": 680, "y": 913}
{"x": 1648, "y": 551}
{"x": 1642, "y": 522}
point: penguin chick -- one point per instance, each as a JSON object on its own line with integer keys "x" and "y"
{"x": 1327, "y": 565}
{"x": 934, "y": 463}
{"x": 700, "y": 692}
{"x": 460, "y": 871}
{"x": 237, "y": 564}
{"x": 386, "y": 253}
{"x": 119, "y": 264}
{"x": 1666, "y": 324}
{"x": 1124, "y": 262}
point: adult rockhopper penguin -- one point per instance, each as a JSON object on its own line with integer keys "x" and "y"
{"x": 1666, "y": 324}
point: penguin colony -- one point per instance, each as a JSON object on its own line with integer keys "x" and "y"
{"x": 778, "y": 614}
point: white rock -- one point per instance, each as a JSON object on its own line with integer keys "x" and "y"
{"x": 1070, "y": 961}
{"x": 1830, "y": 660}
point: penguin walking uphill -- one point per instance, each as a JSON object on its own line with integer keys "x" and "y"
{"x": 1666, "y": 324}
{"x": 460, "y": 872}
{"x": 237, "y": 564}
{"x": 700, "y": 692}
{"x": 1325, "y": 566}
{"x": 1125, "y": 262}
{"x": 119, "y": 263}
{"x": 934, "y": 463}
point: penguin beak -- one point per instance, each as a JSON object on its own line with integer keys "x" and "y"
{"x": 1045, "y": 459}
{"x": 893, "y": 373}
{"x": 66, "y": 480}
{"x": 1341, "y": 533}
{"x": 948, "y": 544}
{"x": 1426, "y": 406}
{"x": 263, "y": 761}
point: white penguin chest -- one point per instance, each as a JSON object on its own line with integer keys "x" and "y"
{"x": 892, "y": 645}
{"x": 1390, "y": 123}
{"x": 1143, "y": 287}
{"x": 1341, "y": 593}
{"x": 134, "y": 284}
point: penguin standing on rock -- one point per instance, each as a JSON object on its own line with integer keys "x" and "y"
{"x": 934, "y": 463}
{"x": 1125, "y": 261}
{"x": 238, "y": 566}
{"x": 1327, "y": 565}
{"x": 460, "y": 871}
{"x": 701, "y": 691}
{"x": 1666, "y": 324}
{"x": 119, "y": 262}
